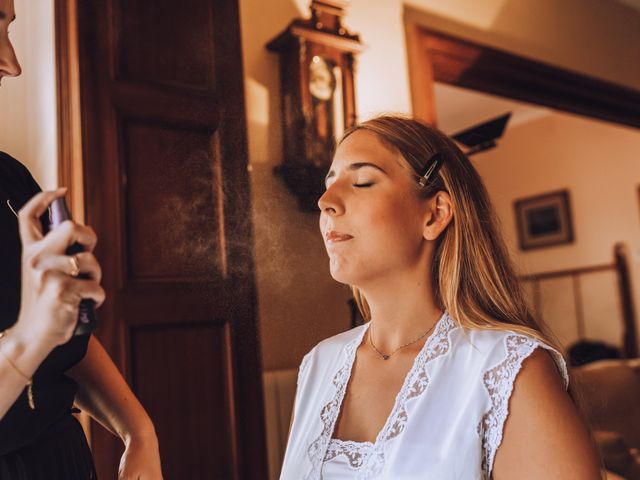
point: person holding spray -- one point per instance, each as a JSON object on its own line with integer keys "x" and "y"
{"x": 46, "y": 368}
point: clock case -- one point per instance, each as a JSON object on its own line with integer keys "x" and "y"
{"x": 310, "y": 128}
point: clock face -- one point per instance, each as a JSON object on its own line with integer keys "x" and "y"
{"x": 322, "y": 82}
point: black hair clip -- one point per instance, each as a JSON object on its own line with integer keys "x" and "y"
{"x": 432, "y": 167}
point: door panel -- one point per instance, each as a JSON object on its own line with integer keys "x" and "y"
{"x": 167, "y": 42}
{"x": 176, "y": 196}
{"x": 154, "y": 357}
{"x": 167, "y": 190}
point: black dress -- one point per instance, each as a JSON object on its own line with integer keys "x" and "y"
{"x": 47, "y": 442}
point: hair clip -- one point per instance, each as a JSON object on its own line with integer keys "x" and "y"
{"x": 433, "y": 165}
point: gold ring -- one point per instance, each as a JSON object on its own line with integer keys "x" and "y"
{"x": 75, "y": 266}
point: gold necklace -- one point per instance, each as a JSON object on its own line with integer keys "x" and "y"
{"x": 387, "y": 356}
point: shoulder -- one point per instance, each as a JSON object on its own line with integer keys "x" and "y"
{"x": 507, "y": 349}
{"x": 532, "y": 424}
{"x": 331, "y": 346}
{"x": 11, "y": 166}
{"x": 330, "y": 349}
{"x": 544, "y": 431}
{"x": 16, "y": 178}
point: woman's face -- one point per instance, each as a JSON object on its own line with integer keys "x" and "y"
{"x": 371, "y": 219}
{"x": 9, "y": 66}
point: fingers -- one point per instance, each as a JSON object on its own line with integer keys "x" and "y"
{"x": 68, "y": 233}
{"x": 29, "y": 215}
{"x": 88, "y": 289}
{"x": 87, "y": 264}
{"x": 71, "y": 290}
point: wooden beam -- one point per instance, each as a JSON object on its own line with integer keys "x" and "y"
{"x": 420, "y": 76}
{"x": 447, "y": 59}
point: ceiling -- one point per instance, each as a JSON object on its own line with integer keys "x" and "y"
{"x": 460, "y": 108}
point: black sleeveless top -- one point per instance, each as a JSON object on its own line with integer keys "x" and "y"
{"x": 53, "y": 391}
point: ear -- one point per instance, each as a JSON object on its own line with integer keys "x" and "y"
{"x": 438, "y": 215}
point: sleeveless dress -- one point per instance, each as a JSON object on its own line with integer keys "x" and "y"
{"x": 46, "y": 443}
{"x": 448, "y": 417}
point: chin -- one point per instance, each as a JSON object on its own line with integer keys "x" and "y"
{"x": 346, "y": 274}
{"x": 339, "y": 271}
{"x": 340, "y": 278}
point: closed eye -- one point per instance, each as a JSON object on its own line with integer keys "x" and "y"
{"x": 363, "y": 185}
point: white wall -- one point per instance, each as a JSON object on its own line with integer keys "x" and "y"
{"x": 598, "y": 162}
{"x": 28, "y": 122}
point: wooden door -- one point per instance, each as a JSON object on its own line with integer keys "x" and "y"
{"x": 167, "y": 190}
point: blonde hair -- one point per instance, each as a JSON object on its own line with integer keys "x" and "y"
{"x": 473, "y": 275}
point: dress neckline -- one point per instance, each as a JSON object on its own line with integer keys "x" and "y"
{"x": 407, "y": 378}
{"x": 416, "y": 380}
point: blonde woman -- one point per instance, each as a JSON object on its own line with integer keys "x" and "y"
{"x": 452, "y": 377}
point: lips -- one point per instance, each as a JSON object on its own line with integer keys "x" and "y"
{"x": 332, "y": 236}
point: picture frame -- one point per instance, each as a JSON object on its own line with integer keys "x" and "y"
{"x": 544, "y": 220}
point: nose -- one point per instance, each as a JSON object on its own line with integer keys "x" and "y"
{"x": 330, "y": 203}
{"x": 9, "y": 65}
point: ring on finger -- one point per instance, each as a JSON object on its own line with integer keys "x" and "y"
{"x": 75, "y": 266}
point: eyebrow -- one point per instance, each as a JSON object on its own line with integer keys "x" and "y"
{"x": 353, "y": 167}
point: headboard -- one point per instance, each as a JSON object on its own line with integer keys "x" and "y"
{"x": 591, "y": 303}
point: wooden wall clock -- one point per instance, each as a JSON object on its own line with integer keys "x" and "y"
{"x": 317, "y": 63}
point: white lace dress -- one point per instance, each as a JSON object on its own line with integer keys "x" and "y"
{"x": 447, "y": 420}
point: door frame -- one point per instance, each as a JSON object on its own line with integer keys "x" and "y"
{"x": 70, "y": 160}
{"x": 441, "y": 57}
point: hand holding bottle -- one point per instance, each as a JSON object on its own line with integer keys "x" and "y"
{"x": 51, "y": 289}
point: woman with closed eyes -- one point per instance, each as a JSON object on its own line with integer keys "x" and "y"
{"x": 452, "y": 377}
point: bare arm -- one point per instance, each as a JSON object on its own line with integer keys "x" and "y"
{"x": 544, "y": 435}
{"x": 104, "y": 394}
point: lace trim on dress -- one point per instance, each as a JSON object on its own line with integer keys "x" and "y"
{"x": 371, "y": 455}
{"x": 329, "y": 413}
{"x": 355, "y": 452}
{"x": 498, "y": 382}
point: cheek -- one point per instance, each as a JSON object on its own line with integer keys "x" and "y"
{"x": 395, "y": 233}
{"x": 388, "y": 235}
{"x": 396, "y": 220}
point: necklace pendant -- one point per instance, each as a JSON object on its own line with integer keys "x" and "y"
{"x": 386, "y": 357}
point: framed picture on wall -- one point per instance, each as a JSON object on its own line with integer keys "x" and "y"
{"x": 544, "y": 220}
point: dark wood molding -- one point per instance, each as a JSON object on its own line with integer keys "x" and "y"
{"x": 70, "y": 168}
{"x": 420, "y": 77}
{"x": 470, "y": 65}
